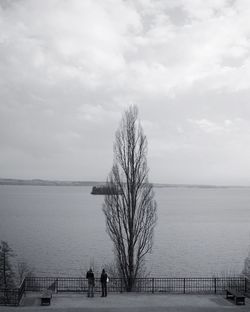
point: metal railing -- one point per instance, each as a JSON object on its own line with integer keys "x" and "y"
{"x": 21, "y": 290}
{"x": 209, "y": 285}
{"x": 12, "y": 297}
{"x": 9, "y": 297}
{"x": 189, "y": 285}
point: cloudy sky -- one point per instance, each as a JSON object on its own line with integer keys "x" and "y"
{"x": 69, "y": 68}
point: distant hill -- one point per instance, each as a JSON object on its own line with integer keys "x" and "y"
{"x": 48, "y": 182}
{"x": 204, "y": 186}
{"x": 98, "y": 183}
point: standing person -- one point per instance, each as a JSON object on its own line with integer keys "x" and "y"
{"x": 104, "y": 279}
{"x": 91, "y": 282}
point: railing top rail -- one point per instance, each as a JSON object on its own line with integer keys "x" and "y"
{"x": 139, "y": 278}
{"x": 23, "y": 281}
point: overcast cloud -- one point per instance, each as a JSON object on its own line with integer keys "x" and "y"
{"x": 69, "y": 68}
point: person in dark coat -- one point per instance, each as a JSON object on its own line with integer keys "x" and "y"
{"x": 91, "y": 282}
{"x": 104, "y": 279}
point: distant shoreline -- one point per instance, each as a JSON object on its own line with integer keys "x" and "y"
{"x": 40, "y": 182}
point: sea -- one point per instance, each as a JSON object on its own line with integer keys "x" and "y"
{"x": 61, "y": 230}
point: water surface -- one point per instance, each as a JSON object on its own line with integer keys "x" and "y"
{"x": 61, "y": 230}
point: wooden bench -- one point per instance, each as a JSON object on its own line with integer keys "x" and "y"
{"x": 46, "y": 297}
{"x": 233, "y": 294}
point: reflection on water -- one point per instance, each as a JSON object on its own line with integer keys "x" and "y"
{"x": 61, "y": 230}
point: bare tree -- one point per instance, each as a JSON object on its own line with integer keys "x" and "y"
{"x": 6, "y": 271}
{"x": 130, "y": 211}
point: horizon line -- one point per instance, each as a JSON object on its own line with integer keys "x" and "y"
{"x": 156, "y": 184}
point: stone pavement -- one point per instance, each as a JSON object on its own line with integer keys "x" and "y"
{"x": 128, "y": 302}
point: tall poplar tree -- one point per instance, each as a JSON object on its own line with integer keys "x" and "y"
{"x": 130, "y": 210}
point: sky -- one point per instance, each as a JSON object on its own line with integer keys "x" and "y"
{"x": 69, "y": 69}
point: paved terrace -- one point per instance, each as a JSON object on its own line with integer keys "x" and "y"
{"x": 128, "y": 302}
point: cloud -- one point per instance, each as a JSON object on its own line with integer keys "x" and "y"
{"x": 68, "y": 69}
{"x": 137, "y": 43}
{"x": 209, "y": 126}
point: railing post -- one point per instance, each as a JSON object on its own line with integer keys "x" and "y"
{"x": 215, "y": 286}
{"x": 25, "y": 283}
{"x": 153, "y": 285}
{"x": 184, "y": 285}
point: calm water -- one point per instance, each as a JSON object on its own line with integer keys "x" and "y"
{"x": 61, "y": 230}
